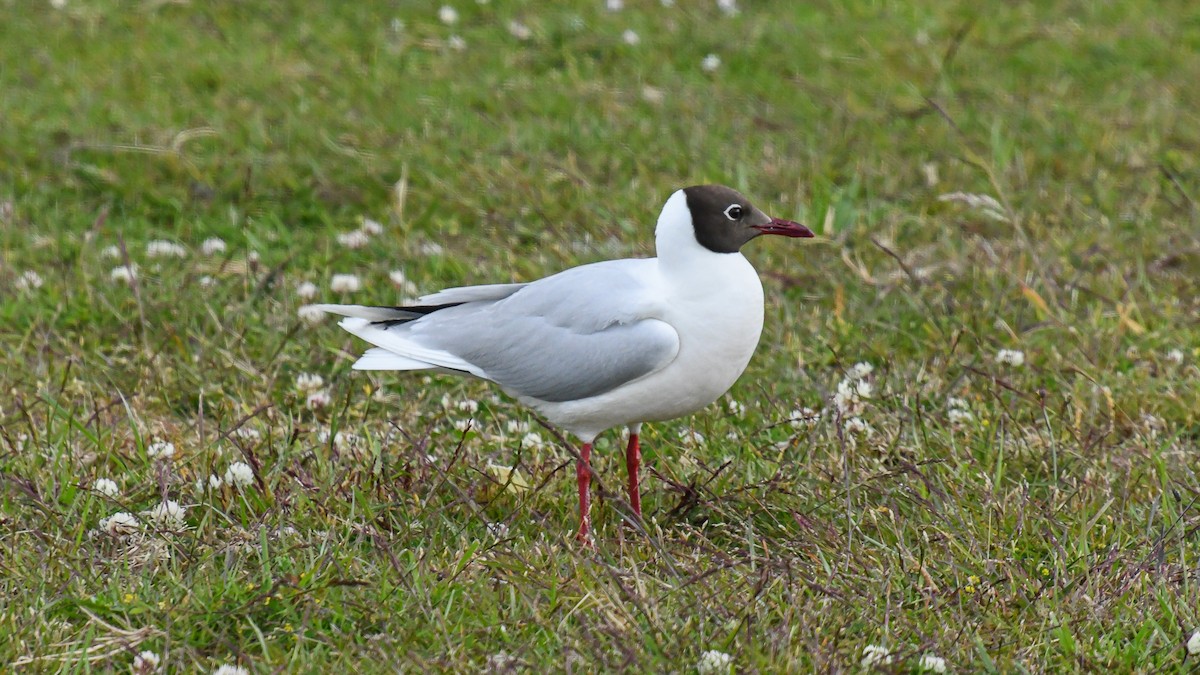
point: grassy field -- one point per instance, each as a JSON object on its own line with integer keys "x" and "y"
{"x": 1006, "y": 196}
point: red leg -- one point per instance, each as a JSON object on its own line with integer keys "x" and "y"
{"x": 633, "y": 461}
{"x": 583, "y": 474}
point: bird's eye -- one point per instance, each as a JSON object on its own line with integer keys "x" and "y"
{"x": 734, "y": 211}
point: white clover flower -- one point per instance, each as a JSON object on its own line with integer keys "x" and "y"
{"x": 497, "y": 530}
{"x": 1174, "y": 356}
{"x": 614, "y": 5}
{"x": 1193, "y": 644}
{"x": 309, "y": 382}
{"x": 345, "y": 440}
{"x": 875, "y": 655}
{"x": 161, "y": 248}
{"x": 462, "y": 426}
{"x": 710, "y": 63}
{"x": 931, "y": 663}
{"x": 519, "y": 30}
{"x": 517, "y": 427}
{"x": 448, "y": 15}
{"x": 207, "y": 282}
{"x": 713, "y": 662}
{"x": 318, "y": 399}
{"x": 1010, "y": 357}
{"x": 247, "y": 433}
{"x": 960, "y": 418}
{"x": 353, "y": 239}
{"x": 311, "y": 314}
{"x": 213, "y": 246}
{"x": 124, "y": 273}
{"x": 851, "y": 396}
{"x": 402, "y": 282}
{"x": 228, "y": 669}
{"x": 691, "y": 437}
{"x": 29, "y": 281}
{"x": 667, "y": 3}
{"x": 532, "y": 440}
{"x": 107, "y": 487}
{"x": 344, "y": 283}
{"x": 239, "y": 475}
{"x": 728, "y": 7}
{"x": 631, "y": 38}
{"x": 371, "y": 227}
{"x": 469, "y": 405}
{"x": 859, "y": 370}
{"x": 306, "y": 290}
{"x": 803, "y": 417}
{"x": 735, "y": 407}
{"x": 214, "y": 482}
{"x": 113, "y": 251}
{"x": 145, "y": 663}
{"x": 119, "y": 524}
{"x": 160, "y": 449}
{"x": 856, "y": 426}
{"x": 456, "y": 42}
{"x": 168, "y": 515}
{"x": 956, "y": 402}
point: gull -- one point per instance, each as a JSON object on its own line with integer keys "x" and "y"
{"x": 612, "y": 343}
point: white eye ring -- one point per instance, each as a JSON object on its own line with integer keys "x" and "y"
{"x": 730, "y": 214}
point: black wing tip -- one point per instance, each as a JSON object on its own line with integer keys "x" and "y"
{"x": 417, "y": 310}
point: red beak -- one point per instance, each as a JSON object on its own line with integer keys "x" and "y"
{"x": 785, "y": 228}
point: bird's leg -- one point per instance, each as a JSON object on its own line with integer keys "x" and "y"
{"x": 583, "y": 474}
{"x": 633, "y": 461}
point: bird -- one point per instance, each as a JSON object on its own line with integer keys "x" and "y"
{"x": 602, "y": 345}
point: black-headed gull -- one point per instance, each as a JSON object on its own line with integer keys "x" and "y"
{"x": 612, "y": 343}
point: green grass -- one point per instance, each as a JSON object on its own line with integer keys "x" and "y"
{"x": 1056, "y": 531}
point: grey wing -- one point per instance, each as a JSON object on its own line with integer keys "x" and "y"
{"x": 531, "y": 356}
{"x": 486, "y": 292}
{"x": 570, "y": 336}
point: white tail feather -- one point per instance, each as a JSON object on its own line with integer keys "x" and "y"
{"x": 378, "y": 358}
{"x": 396, "y": 343}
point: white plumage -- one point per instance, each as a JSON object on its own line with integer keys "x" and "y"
{"x": 612, "y": 343}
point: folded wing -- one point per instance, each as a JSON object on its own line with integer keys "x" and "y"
{"x": 570, "y": 336}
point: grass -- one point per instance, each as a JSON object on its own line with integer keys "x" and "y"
{"x": 1055, "y": 530}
